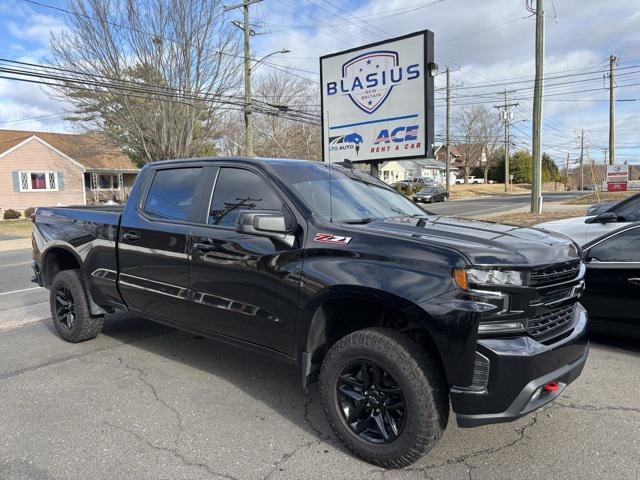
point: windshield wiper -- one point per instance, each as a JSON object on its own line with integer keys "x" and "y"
{"x": 405, "y": 214}
{"x": 358, "y": 221}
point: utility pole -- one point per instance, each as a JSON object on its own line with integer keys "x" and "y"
{"x": 447, "y": 134}
{"x": 248, "y": 113}
{"x": 604, "y": 166}
{"x": 506, "y": 115}
{"x": 612, "y": 111}
{"x": 582, "y": 161}
{"x": 566, "y": 172}
{"x": 536, "y": 185}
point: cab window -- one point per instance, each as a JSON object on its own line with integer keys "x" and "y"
{"x": 236, "y": 190}
{"x": 624, "y": 247}
{"x": 171, "y": 193}
{"x": 629, "y": 212}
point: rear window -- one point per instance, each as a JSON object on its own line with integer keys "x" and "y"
{"x": 171, "y": 193}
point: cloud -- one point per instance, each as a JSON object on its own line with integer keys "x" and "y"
{"x": 36, "y": 27}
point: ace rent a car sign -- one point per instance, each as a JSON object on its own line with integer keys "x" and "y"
{"x": 377, "y": 100}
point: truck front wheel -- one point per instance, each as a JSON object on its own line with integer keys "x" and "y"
{"x": 70, "y": 309}
{"x": 384, "y": 397}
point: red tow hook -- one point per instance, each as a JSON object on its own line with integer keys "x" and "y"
{"x": 551, "y": 387}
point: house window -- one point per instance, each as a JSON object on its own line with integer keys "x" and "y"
{"x": 104, "y": 181}
{"x": 34, "y": 181}
{"x": 107, "y": 182}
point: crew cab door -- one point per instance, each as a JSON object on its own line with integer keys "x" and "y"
{"x": 243, "y": 286}
{"x": 613, "y": 278}
{"x": 153, "y": 243}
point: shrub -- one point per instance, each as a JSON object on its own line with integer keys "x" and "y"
{"x": 29, "y": 211}
{"x": 408, "y": 190}
{"x": 11, "y": 214}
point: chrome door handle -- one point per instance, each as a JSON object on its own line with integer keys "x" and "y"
{"x": 204, "y": 247}
{"x": 131, "y": 236}
{"x": 635, "y": 281}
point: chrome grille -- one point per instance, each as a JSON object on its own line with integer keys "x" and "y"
{"x": 555, "y": 274}
{"x": 544, "y": 324}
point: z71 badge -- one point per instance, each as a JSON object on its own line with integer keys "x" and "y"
{"x": 329, "y": 238}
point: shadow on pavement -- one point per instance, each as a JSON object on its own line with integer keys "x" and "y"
{"x": 275, "y": 383}
{"x": 628, "y": 344}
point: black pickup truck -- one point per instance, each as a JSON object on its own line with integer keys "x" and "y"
{"x": 399, "y": 314}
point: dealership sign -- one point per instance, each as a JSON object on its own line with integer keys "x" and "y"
{"x": 377, "y": 100}
{"x": 617, "y": 173}
{"x": 617, "y": 177}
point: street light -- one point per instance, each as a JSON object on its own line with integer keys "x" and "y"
{"x": 248, "y": 114}
{"x": 284, "y": 50}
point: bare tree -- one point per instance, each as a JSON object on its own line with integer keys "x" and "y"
{"x": 478, "y": 130}
{"x": 278, "y": 136}
{"x": 161, "y": 71}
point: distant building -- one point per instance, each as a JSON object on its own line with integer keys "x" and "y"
{"x": 47, "y": 169}
{"x": 471, "y": 154}
{"x": 396, "y": 170}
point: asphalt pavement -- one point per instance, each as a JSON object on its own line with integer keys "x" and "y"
{"x": 143, "y": 401}
{"x": 494, "y": 203}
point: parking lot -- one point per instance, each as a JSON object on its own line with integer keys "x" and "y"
{"x": 145, "y": 401}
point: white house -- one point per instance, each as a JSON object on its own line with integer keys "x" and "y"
{"x": 397, "y": 170}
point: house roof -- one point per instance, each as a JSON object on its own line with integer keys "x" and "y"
{"x": 453, "y": 149}
{"x": 416, "y": 164}
{"x": 92, "y": 151}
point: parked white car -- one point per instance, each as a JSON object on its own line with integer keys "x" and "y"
{"x": 585, "y": 229}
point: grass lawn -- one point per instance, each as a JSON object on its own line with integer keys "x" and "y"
{"x": 526, "y": 219}
{"x": 597, "y": 197}
{"x": 461, "y": 191}
{"x": 16, "y": 228}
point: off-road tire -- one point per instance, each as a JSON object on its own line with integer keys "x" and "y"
{"x": 423, "y": 386}
{"x": 84, "y": 327}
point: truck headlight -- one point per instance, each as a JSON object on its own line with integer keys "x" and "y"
{"x": 512, "y": 278}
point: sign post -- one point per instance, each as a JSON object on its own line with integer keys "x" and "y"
{"x": 381, "y": 101}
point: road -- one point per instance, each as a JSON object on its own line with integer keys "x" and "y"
{"x": 494, "y": 203}
{"x": 143, "y": 401}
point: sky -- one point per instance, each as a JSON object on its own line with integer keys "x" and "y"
{"x": 488, "y": 44}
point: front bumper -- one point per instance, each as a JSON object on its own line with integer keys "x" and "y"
{"x": 519, "y": 368}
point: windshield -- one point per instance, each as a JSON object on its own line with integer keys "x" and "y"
{"x": 355, "y": 196}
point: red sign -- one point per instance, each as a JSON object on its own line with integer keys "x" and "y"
{"x": 617, "y": 187}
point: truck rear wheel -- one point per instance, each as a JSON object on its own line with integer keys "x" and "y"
{"x": 384, "y": 397}
{"x": 70, "y": 308}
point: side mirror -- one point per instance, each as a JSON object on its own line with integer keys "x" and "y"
{"x": 605, "y": 217}
{"x": 264, "y": 223}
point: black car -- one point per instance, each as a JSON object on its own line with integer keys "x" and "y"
{"x": 430, "y": 194}
{"x": 398, "y": 314}
{"x": 612, "y": 295}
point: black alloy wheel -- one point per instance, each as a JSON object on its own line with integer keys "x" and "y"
{"x": 65, "y": 310}
{"x": 371, "y": 402}
{"x": 384, "y": 397}
{"x": 70, "y": 308}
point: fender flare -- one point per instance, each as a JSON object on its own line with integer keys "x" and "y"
{"x": 94, "y": 308}
{"x": 312, "y": 336}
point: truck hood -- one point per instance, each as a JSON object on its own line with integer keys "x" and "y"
{"x": 483, "y": 243}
